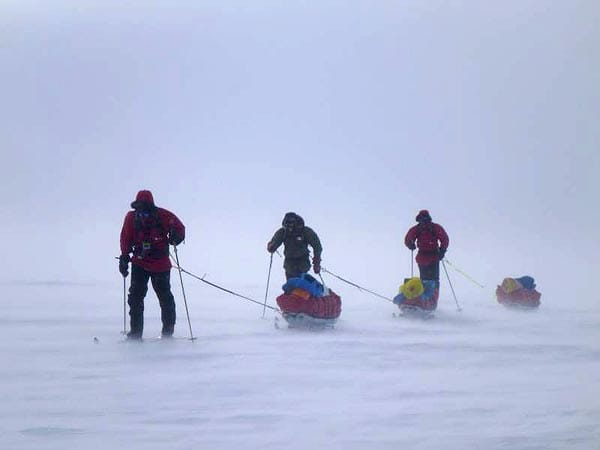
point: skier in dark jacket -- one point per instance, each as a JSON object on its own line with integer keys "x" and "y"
{"x": 432, "y": 242}
{"x": 296, "y": 237}
{"x": 147, "y": 232}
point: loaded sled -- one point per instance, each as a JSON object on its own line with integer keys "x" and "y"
{"x": 417, "y": 297}
{"x": 306, "y": 303}
{"x": 518, "y": 293}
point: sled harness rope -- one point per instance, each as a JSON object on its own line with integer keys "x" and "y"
{"x": 187, "y": 312}
{"x": 204, "y": 280}
{"x": 467, "y": 276}
{"x": 356, "y": 285}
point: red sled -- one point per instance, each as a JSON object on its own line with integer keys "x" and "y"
{"x": 521, "y": 298}
{"x": 418, "y": 302}
{"x": 299, "y": 301}
{"x": 421, "y": 305}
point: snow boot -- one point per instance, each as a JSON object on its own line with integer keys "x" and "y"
{"x": 167, "y": 330}
{"x": 134, "y": 335}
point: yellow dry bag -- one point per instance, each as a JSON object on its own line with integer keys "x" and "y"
{"x": 509, "y": 285}
{"x": 412, "y": 288}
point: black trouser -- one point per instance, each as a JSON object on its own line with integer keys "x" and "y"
{"x": 161, "y": 282}
{"x": 431, "y": 272}
{"x": 295, "y": 266}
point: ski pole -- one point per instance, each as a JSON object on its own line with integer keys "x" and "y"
{"x": 450, "y": 283}
{"x": 124, "y": 303}
{"x": 356, "y": 285}
{"x": 412, "y": 264}
{"x": 124, "y": 307}
{"x": 323, "y": 282}
{"x": 183, "y": 292}
{"x": 268, "y": 281}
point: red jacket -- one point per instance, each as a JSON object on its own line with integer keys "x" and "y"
{"x": 427, "y": 236}
{"x": 147, "y": 237}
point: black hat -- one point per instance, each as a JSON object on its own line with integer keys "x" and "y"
{"x": 423, "y": 216}
{"x": 292, "y": 219}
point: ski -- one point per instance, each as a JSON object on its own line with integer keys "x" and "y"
{"x": 414, "y": 313}
{"x": 150, "y": 339}
{"x": 304, "y": 321}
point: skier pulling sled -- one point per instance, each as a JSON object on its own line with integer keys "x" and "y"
{"x": 518, "y": 293}
{"x": 417, "y": 298}
{"x": 306, "y": 303}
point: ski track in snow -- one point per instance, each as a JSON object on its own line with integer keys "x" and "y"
{"x": 486, "y": 377}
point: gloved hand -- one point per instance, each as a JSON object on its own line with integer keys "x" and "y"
{"x": 174, "y": 238}
{"x": 124, "y": 265}
{"x": 317, "y": 265}
{"x": 270, "y": 247}
{"x": 412, "y": 246}
{"x": 441, "y": 253}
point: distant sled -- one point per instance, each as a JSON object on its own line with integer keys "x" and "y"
{"x": 417, "y": 298}
{"x": 519, "y": 293}
{"x": 305, "y": 303}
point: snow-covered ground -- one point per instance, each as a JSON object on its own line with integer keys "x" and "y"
{"x": 485, "y": 378}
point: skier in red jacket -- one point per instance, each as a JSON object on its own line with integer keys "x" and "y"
{"x": 432, "y": 242}
{"x": 147, "y": 232}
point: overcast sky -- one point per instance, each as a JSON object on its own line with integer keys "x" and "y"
{"x": 354, "y": 114}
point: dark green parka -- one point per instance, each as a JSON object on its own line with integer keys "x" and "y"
{"x": 296, "y": 244}
{"x": 295, "y": 250}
